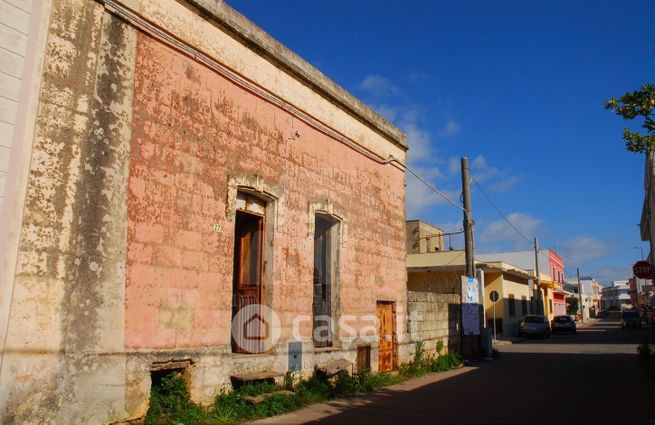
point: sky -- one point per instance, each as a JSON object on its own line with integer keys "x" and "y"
{"x": 517, "y": 87}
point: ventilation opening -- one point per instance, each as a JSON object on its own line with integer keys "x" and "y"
{"x": 169, "y": 392}
{"x": 159, "y": 377}
{"x": 363, "y": 358}
{"x": 163, "y": 372}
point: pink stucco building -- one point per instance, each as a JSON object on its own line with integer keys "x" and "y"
{"x": 185, "y": 168}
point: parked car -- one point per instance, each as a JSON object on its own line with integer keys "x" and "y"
{"x": 603, "y": 313}
{"x": 630, "y": 319}
{"x": 534, "y": 325}
{"x": 563, "y": 324}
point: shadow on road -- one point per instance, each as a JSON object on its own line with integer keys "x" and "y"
{"x": 519, "y": 388}
{"x": 553, "y": 381}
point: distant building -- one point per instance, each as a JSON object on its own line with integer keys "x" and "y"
{"x": 422, "y": 237}
{"x": 616, "y": 296}
{"x": 551, "y": 275}
{"x": 439, "y": 273}
{"x": 591, "y": 294}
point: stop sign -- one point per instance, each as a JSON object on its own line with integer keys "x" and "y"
{"x": 642, "y": 269}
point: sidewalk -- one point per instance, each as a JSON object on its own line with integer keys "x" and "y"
{"x": 506, "y": 340}
{"x": 322, "y": 410}
{"x": 587, "y": 323}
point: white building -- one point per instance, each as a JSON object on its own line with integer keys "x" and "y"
{"x": 616, "y": 296}
{"x": 591, "y": 294}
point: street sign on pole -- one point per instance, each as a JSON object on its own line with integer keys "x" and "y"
{"x": 493, "y": 295}
{"x": 642, "y": 269}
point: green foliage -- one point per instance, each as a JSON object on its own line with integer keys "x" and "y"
{"x": 637, "y": 104}
{"x": 170, "y": 401}
{"x": 572, "y": 305}
{"x": 421, "y": 364}
{"x": 441, "y": 364}
{"x": 439, "y": 347}
{"x": 290, "y": 379}
{"x": 419, "y": 354}
{"x": 372, "y": 381}
{"x": 345, "y": 385}
{"x": 418, "y": 366}
{"x": 314, "y": 389}
{"x": 454, "y": 359}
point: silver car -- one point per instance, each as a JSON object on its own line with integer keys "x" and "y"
{"x": 534, "y": 325}
{"x": 563, "y": 324}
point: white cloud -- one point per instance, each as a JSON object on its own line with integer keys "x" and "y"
{"x": 388, "y": 112}
{"x": 482, "y": 170}
{"x": 451, "y": 128}
{"x": 580, "y": 249}
{"x": 420, "y": 149}
{"x": 417, "y": 77}
{"x": 454, "y": 165}
{"x": 505, "y": 184}
{"x": 499, "y": 180}
{"x": 379, "y": 86}
{"x": 499, "y": 232}
{"x": 419, "y": 198}
{"x": 607, "y": 274}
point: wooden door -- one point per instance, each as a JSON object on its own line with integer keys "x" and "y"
{"x": 247, "y": 289}
{"x": 386, "y": 344}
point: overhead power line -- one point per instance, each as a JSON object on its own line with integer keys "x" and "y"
{"x": 493, "y": 204}
{"x": 434, "y": 189}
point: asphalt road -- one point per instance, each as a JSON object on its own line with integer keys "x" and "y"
{"x": 593, "y": 377}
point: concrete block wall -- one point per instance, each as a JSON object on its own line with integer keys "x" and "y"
{"x": 434, "y": 317}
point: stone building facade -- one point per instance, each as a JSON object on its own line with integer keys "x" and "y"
{"x": 183, "y": 165}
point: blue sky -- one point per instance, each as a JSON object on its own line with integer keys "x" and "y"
{"x": 518, "y": 87}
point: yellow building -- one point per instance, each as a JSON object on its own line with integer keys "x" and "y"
{"x": 441, "y": 272}
{"x": 548, "y": 290}
{"x": 512, "y": 284}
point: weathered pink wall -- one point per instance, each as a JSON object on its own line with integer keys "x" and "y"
{"x": 191, "y": 130}
{"x": 555, "y": 262}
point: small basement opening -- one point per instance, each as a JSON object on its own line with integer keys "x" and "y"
{"x": 160, "y": 378}
{"x": 169, "y": 392}
{"x": 161, "y": 372}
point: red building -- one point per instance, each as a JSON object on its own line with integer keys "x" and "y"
{"x": 556, "y": 270}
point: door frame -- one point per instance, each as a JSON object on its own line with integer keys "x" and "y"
{"x": 394, "y": 336}
{"x": 261, "y": 267}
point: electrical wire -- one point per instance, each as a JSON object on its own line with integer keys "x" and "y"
{"x": 499, "y": 211}
{"x": 438, "y": 192}
{"x": 436, "y": 235}
{"x": 486, "y": 195}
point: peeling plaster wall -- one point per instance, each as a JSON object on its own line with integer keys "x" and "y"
{"x": 137, "y": 154}
{"x": 64, "y": 352}
{"x": 23, "y": 33}
{"x": 192, "y": 130}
